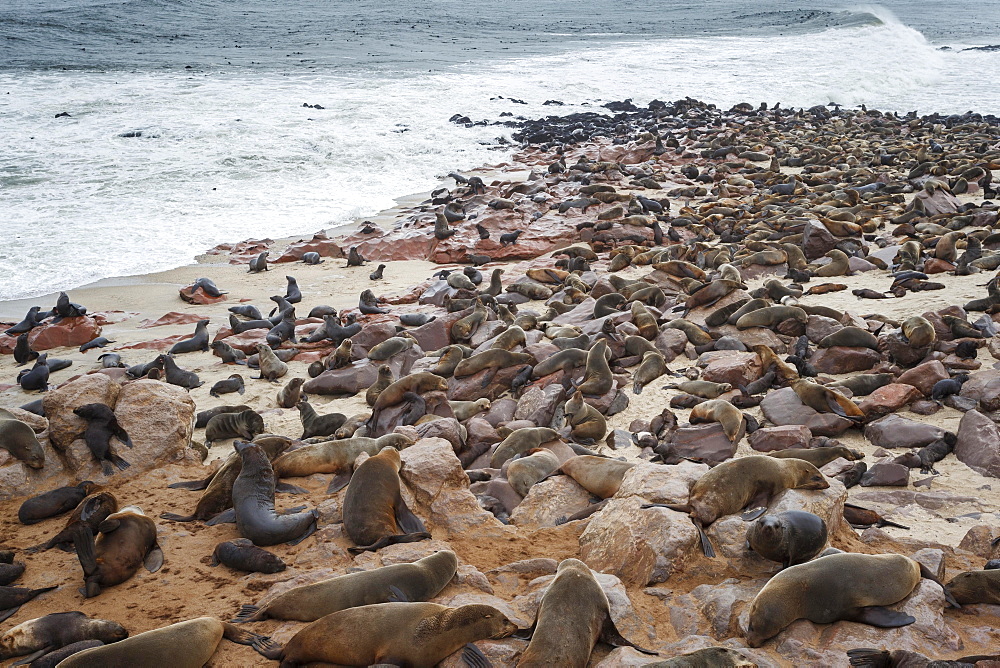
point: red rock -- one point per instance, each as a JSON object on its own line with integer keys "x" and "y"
{"x": 844, "y": 359}
{"x": 978, "y": 444}
{"x": 923, "y": 376}
{"x": 817, "y": 241}
{"x": 783, "y": 407}
{"x": 984, "y": 387}
{"x": 320, "y": 243}
{"x": 248, "y": 340}
{"x": 731, "y": 366}
{"x": 104, "y": 318}
{"x": 935, "y": 266}
{"x": 888, "y": 399}
{"x": 198, "y": 296}
{"x": 886, "y": 474}
{"x": 172, "y": 318}
{"x": 706, "y": 443}
{"x": 940, "y": 201}
{"x": 769, "y": 439}
{"x": 7, "y": 344}
{"x": 157, "y": 344}
{"x": 71, "y": 332}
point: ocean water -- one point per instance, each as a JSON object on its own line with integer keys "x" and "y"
{"x": 187, "y": 128}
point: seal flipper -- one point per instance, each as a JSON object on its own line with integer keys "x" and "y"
{"x": 490, "y": 375}
{"x": 474, "y": 657}
{"x": 288, "y": 488}
{"x": 25, "y": 660}
{"x": 174, "y": 517}
{"x": 338, "y": 482}
{"x": 406, "y": 520}
{"x": 225, "y": 517}
{"x": 154, "y": 559}
{"x": 612, "y": 636}
{"x": 192, "y": 485}
{"x": 753, "y": 513}
{"x": 241, "y": 637}
{"x": 397, "y": 595}
{"x": 866, "y": 657}
{"x": 308, "y": 532}
{"x": 247, "y": 613}
{"x": 118, "y": 461}
{"x": 9, "y": 612}
{"x": 880, "y": 616}
{"x": 267, "y": 648}
{"x": 83, "y": 539}
{"x": 706, "y": 544}
{"x": 926, "y": 574}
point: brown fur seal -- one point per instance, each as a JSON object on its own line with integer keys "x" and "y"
{"x": 271, "y": 368}
{"x": 696, "y": 335}
{"x": 573, "y": 615}
{"x": 464, "y": 410}
{"x": 91, "y": 511}
{"x": 290, "y": 394}
{"x": 652, "y": 366}
{"x": 852, "y": 587}
{"x": 218, "y": 496}
{"x": 710, "y": 294}
{"x": 383, "y": 381}
{"x": 242, "y": 555}
{"x": 721, "y": 411}
{"x": 19, "y": 440}
{"x": 819, "y": 457}
{"x": 597, "y": 379}
{"x": 464, "y": 328}
{"x": 187, "y": 644}
{"x": 246, "y": 424}
{"x": 564, "y": 360}
{"x": 54, "y": 502}
{"x": 314, "y": 424}
{"x": 390, "y": 347}
{"x": 976, "y": 587}
{"x": 102, "y": 425}
{"x": 919, "y": 331}
{"x": 201, "y": 421}
{"x": 710, "y": 657}
{"x": 374, "y": 509}
{"x": 417, "y": 581}
{"x": 127, "y": 540}
{"x": 747, "y": 482}
{"x": 533, "y": 467}
{"x": 510, "y": 338}
{"x": 418, "y": 383}
{"x": 865, "y": 383}
{"x": 37, "y": 637}
{"x": 12, "y": 598}
{"x": 850, "y": 336}
{"x": 771, "y": 316}
{"x": 705, "y": 389}
{"x": 598, "y": 475}
{"x": 403, "y": 634}
{"x": 840, "y": 265}
{"x": 335, "y": 457}
{"x": 520, "y": 441}
{"x": 253, "y": 503}
{"x": 790, "y": 538}
{"x": 586, "y": 422}
{"x": 644, "y": 321}
{"x": 494, "y": 358}
{"x": 449, "y": 359}
{"x": 824, "y": 400}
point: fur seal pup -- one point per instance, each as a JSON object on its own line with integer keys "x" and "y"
{"x": 375, "y": 514}
{"x": 271, "y": 368}
{"x": 289, "y": 395}
{"x": 851, "y": 587}
{"x": 199, "y": 341}
{"x": 415, "y": 319}
{"x": 218, "y": 494}
{"x": 384, "y": 380}
{"x": 314, "y": 424}
{"x": 19, "y": 440}
{"x": 597, "y": 379}
{"x": 293, "y": 295}
{"x": 248, "y": 311}
{"x": 54, "y": 502}
{"x": 253, "y": 503}
{"x": 721, "y": 411}
{"x": 187, "y": 644}
{"x": 705, "y": 389}
{"x": 600, "y": 476}
{"x": 102, "y": 424}
{"x": 819, "y": 457}
{"x": 976, "y": 587}
{"x": 466, "y": 326}
{"x": 573, "y": 615}
{"x": 534, "y": 466}
{"x": 441, "y": 228}
{"x": 242, "y": 555}
{"x": 710, "y": 657}
{"x": 37, "y": 378}
{"x": 790, "y": 538}
{"x": 824, "y": 400}
{"x": 520, "y": 441}
{"x": 245, "y": 424}
{"x": 417, "y": 581}
{"x": 652, "y": 366}
{"x": 127, "y": 540}
{"x": 368, "y": 304}
{"x": 377, "y": 274}
{"x": 22, "y": 351}
{"x": 201, "y": 420}
{"x": 406, "y": 634}
{"x": 417, "y": 383}
{"x": 259, "y": 263}
{"x": 175, "y": 375}
{"x": 91, "y": 511}
{"x": 36, "y": 638}
{"x": 312, "y": 257}
{"x": 355, "y": 258}
{"x": 464, "y": 410}
{"x": 746, "y": 482}
{"x": 586, "y": 423}
{"x": 232, "y": 384}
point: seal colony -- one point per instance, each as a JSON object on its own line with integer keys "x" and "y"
{"x": 632, "y": 442}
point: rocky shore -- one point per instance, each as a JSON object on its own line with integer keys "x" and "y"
{"x": 669, "y": 289}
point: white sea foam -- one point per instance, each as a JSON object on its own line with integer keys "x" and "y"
{"x": 224, "y": 157}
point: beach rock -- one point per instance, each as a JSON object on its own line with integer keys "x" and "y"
{"x": 373, "y": 334}
{"x": 539, "y": 405}
{"x": 199, "y": 297}
{"x": 817, "y": 241}
{"x": 549, "y": 501}
{"x": 247, "y": 341}
{"x": 888, "y": 399}
{"x": 983, "y": 387}
{"x": 441, "y": 493}
{"x": 933, "y": 559}
{"x": 172, "y": 318}
{"x": 501, "y": 410}
{"x": 923, "y": 376}
{"x": 900, "y": 350}
{"x": 705, "y": 442}
{"x": 979, "y": 541}
{"x": 68, "y": 332}
{"x": 978, "y": 444}
{"x": 783, "y": 407}
{"x": 447, "y": 428}
{"x": 320, "y": 243}
{"x": 894, "y": 431}
{"x": 940, "y": 201}
{"x": 769, "y": 439}
{"x": 886, "y": 474}
{"x": 356, "y": 377}
{"x": 731, "y": 366}
{"x": 160, "y": 420}
{"x": 844, "y": 359}
{"x": 671, "y": 343}
{"x": 819, "y": 327}
{"x": 64, "y": 425}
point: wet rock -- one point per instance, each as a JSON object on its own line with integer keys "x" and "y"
{"x": 888, "y": 399}
{"x": 783, "y": 407}
{"x": 68, "y": 332}
{"x": 844, "y": 359}
{"x": 64, "y": 425}
{"x": 923, "y": 376}
{"x": 769, "y": 439}
{"x": 893, "y": 431}
{"x": 549, "y": 501}
{"x": 978, "y": 444}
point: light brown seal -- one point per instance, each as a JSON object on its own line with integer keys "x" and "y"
{"x": 531, "y": 468}
{"x": 417, "y": 581}
{"x": 976, "y": 587}
{"x": 771, "y": 316}
{"x": 37, "y": 637}
{"x": 824, "y": 400}
{"x": 383, "y": 381}
{"x": 597, "y": 379}
{"x": 600, "y": 476}
{"x": 652, "y": 366}
{"x": 520, "y": 441}
{"x": 586, "y": 422}
{"x": 19, "y": 440}
{"x": 335, "y": 457}
{"x": 290, "y": 394}
{"x": 127, "y": 540}
{"x": 819, "y": 456}
{"x": 919, "y": 331}
{"x": 271, "y": 368}
{"x": 721, "y": 411}
{"x": 790, "y": 538}
{"x": 464, "y": 410}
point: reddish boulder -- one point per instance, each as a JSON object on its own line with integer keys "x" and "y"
{"x": 70, "y": 332}
{"x": 769, "y": 439}
{"x": 844, "y": 359}
{"x": 198, "y": 296}
{"x": 706, "y": 443}
{"x": 783, "y": 407}
{"x": 156, "y": 344}
{"x": 888, "y": 399}
{"x": 923, "y": 376}
{"x": 320, "y": 243}
{"x": 978, "y": 444}
{"x": 731, "y": 366}
{"x": 172, "y": 318}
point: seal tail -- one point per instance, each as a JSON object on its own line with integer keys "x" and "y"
{"x": 247, "y": 613}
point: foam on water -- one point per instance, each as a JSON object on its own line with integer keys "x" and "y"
{"x": 229, "y": 156}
